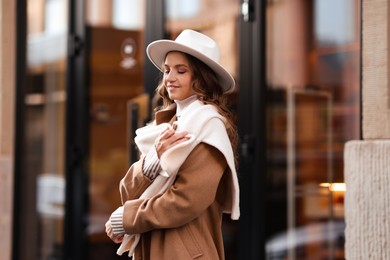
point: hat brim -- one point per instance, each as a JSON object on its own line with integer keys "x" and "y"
{"x": 158, "y": 50}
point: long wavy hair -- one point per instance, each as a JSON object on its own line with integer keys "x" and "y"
{"x": 208, "y": 90}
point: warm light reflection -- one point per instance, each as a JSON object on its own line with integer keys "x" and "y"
{"x": 335, "y": 186}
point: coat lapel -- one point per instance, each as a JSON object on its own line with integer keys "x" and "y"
{"x": 166, "y": 116}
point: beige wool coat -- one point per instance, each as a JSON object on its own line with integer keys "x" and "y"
{"x": 185, "y": 221}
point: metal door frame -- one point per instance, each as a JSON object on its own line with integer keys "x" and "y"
{"x": 252, "y": 130}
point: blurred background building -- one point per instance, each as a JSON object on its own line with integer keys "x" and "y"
{"x": 76, "y": 83}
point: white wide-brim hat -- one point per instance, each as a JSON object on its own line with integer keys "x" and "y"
{"x": 196, "y": 44}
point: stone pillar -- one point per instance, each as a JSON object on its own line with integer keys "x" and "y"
{"x": 367, "y": 162}
{"x": 367, "y": 200}
{"x": 7, "y": 97}
{"x": 375, "y": 73}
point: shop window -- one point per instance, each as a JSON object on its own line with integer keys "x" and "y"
{"x": 44, "y": 131}
{"x": 118, "y": 105}
{"x": 313, "y": 90}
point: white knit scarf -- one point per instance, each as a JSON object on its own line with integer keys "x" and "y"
{"x": 204, "y": 125}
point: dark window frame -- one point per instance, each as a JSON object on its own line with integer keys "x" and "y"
{"x": 252, "y": 131}
{"x": 20, "y": 182}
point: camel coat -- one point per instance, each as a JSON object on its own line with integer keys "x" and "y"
{"x": 185, "y": 221}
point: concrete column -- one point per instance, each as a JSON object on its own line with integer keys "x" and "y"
{"x": 367, "y": 162}
{"x": 375, "y": 74}
{"x": 367, "y": 200}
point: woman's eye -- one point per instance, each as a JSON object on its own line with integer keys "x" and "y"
{"x": 181, "y": 71}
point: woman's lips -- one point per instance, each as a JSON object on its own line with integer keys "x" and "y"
{"x": 172, "y": 87}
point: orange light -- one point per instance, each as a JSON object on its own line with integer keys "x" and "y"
{"x": 335, "y": 186}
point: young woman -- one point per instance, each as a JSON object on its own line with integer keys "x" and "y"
{"x": 174, "y": 196}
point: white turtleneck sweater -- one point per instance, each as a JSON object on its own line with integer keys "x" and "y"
{"x": 181, "y": 105}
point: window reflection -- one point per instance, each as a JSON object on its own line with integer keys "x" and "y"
{"x": 116, "y": 50}
{"x": 182, "y": 9}
{"x": 313, "y": 109}
{"x": 337, "y": 28}
{"x": 47, "y": 23}
{"x": 127, "y": 14}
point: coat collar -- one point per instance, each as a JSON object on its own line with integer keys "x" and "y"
{"x": 167, "y": 115}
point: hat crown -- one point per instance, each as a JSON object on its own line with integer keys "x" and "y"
{"x": 200, "y": 43}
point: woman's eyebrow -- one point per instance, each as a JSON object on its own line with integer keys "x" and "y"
{"x": 177, "y": 65}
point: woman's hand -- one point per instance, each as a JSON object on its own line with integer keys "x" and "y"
{"x": 168, "y": 138}
{"x": 116, "y": 238}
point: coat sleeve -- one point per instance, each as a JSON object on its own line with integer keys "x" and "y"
{"x": 193, "y": 191}
{"x": 134, "y": 183}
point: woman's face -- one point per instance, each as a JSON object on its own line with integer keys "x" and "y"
{"x": 177, "y": 76}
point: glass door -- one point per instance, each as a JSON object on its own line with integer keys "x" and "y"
{"x": 117, "y": 105}
{"x": 119, "y": 101}
{"x": 313, "y": 108}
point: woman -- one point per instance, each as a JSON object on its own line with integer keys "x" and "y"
{"x": 174, "y": 196}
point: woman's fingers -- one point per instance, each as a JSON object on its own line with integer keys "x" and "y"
{"x": 178, "y": 141}
{"x": 169, "y": 138}
{"x": 167, "y": 131}
{"x": 179, "y": 137}
{"x": 111, "y": 235}
{"x": 108, "y": 227}
{"x": 117, "y": 239}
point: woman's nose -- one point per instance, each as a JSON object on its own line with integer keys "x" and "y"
{"x": 170, "y": 77}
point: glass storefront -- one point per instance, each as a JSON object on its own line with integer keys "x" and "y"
{"x": 313, "y": 96}
{"x": 44, "y": 104}
{"x": 313, "y": 86}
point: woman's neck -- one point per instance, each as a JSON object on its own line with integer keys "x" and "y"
{"x": 183, "y": 104}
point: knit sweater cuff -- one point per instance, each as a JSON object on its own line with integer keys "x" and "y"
{"x": 116, "y": 220}
{"x": 151, "y": 166}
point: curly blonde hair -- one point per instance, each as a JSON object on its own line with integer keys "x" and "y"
{"x": 208, "y": 90}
